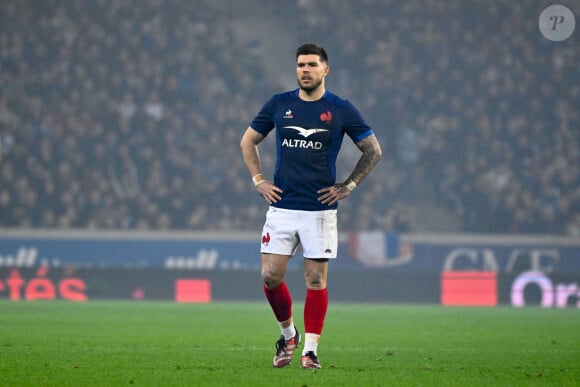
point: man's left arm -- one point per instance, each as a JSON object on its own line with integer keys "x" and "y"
{"x": 371, "y": 155}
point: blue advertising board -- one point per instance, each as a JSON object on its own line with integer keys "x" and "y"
{"x": 241, "y": 252}
{"x": 94, "y": 252}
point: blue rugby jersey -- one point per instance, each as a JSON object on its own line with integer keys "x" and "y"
{"x": 308, "y": 139}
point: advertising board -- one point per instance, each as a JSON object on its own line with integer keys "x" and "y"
{"x": 452, "y": 271}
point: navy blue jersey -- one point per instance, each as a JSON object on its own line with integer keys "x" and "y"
{"x": 308, "y": 139}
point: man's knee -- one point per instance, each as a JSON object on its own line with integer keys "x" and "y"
{"x": 271, "y": 277}
{"x": 315, "y": 279}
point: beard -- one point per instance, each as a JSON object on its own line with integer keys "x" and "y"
{"x": 314, "y": 84}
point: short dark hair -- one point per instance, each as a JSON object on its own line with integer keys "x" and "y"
{"x": 312, "y": 49}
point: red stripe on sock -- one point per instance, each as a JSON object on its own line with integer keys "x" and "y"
{"x": 315, "y": 309}
{"x": 280, "y": 300}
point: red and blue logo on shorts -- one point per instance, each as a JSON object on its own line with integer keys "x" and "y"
{"x": 266, "y": 239}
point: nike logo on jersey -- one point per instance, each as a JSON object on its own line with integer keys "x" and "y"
{"x": 305, "y": 132}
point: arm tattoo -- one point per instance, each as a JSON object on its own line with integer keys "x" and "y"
{"x": 371, "y": 154}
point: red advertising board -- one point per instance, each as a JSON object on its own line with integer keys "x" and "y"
{"x": 469, "y": 288}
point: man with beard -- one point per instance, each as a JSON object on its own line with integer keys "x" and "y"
{"x": 303, "y": 197}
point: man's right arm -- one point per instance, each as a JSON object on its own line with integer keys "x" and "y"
{"x": 249, "y": 146}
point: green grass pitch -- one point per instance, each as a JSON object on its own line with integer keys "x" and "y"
{"x": 231, "y": 344}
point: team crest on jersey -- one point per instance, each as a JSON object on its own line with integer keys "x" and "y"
{"x": 288, "y": 114}
{"x": 326, "y": 117}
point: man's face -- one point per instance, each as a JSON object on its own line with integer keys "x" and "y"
{"x": 310, "y": 72}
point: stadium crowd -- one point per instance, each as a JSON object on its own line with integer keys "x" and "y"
{"x": 128, "y": 114}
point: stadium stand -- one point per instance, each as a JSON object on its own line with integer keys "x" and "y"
{"x": 128, "y": 114}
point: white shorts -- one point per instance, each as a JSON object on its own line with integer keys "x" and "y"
{"x": 285, "y": 229}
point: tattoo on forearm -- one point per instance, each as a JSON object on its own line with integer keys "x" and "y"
{"x": 371, "y": 154}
